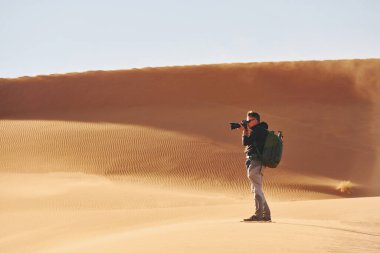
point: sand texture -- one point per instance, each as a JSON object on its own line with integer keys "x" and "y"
{"x": 143, "y": 160}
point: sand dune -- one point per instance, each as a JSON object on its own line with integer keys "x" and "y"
{"x": 328, "y": 111}
{"x": 113, "y": 159}
{"x": 171, "y": 158}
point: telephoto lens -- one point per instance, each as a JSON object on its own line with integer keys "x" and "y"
{"x": 234, "y": 126}
{"x": 243, "y": 123}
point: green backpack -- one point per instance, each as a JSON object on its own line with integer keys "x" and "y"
{"x": 272, "y": 152}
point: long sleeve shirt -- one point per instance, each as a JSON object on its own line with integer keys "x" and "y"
{"x": 256, "y": 137}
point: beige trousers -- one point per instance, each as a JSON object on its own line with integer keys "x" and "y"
{"x": 255, "y": 176}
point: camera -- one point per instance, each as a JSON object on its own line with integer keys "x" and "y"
{"x": 243, "y": 123}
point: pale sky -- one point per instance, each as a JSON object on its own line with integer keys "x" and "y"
{"x": 47, "y": 36}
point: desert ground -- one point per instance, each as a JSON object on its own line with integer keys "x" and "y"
{"x": 144, "y": 160}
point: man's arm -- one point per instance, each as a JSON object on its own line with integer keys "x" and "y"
{"x": 245, "y": 136}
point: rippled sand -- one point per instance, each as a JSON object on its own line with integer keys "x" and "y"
{"x": 143, "y": 160}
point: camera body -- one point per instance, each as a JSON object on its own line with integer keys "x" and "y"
{"x": 243, "y": 123}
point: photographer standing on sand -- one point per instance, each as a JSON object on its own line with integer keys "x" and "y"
{"x": 254, "y": 136}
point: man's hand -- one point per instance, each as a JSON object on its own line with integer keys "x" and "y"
{"x": 246, "y": 131}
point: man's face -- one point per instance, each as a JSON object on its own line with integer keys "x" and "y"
{"x": 252, "y": 122}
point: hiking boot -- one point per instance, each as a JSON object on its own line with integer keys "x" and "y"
{"x": 253, "y": 218}
{"x": 266, "y": 218}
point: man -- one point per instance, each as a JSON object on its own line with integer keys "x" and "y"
{"x": 254, "y": 136}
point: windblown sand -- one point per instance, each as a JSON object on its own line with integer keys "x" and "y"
{"x": 143, "y": 160}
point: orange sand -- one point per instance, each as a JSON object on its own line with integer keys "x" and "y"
{"x": 143, "y": 160}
